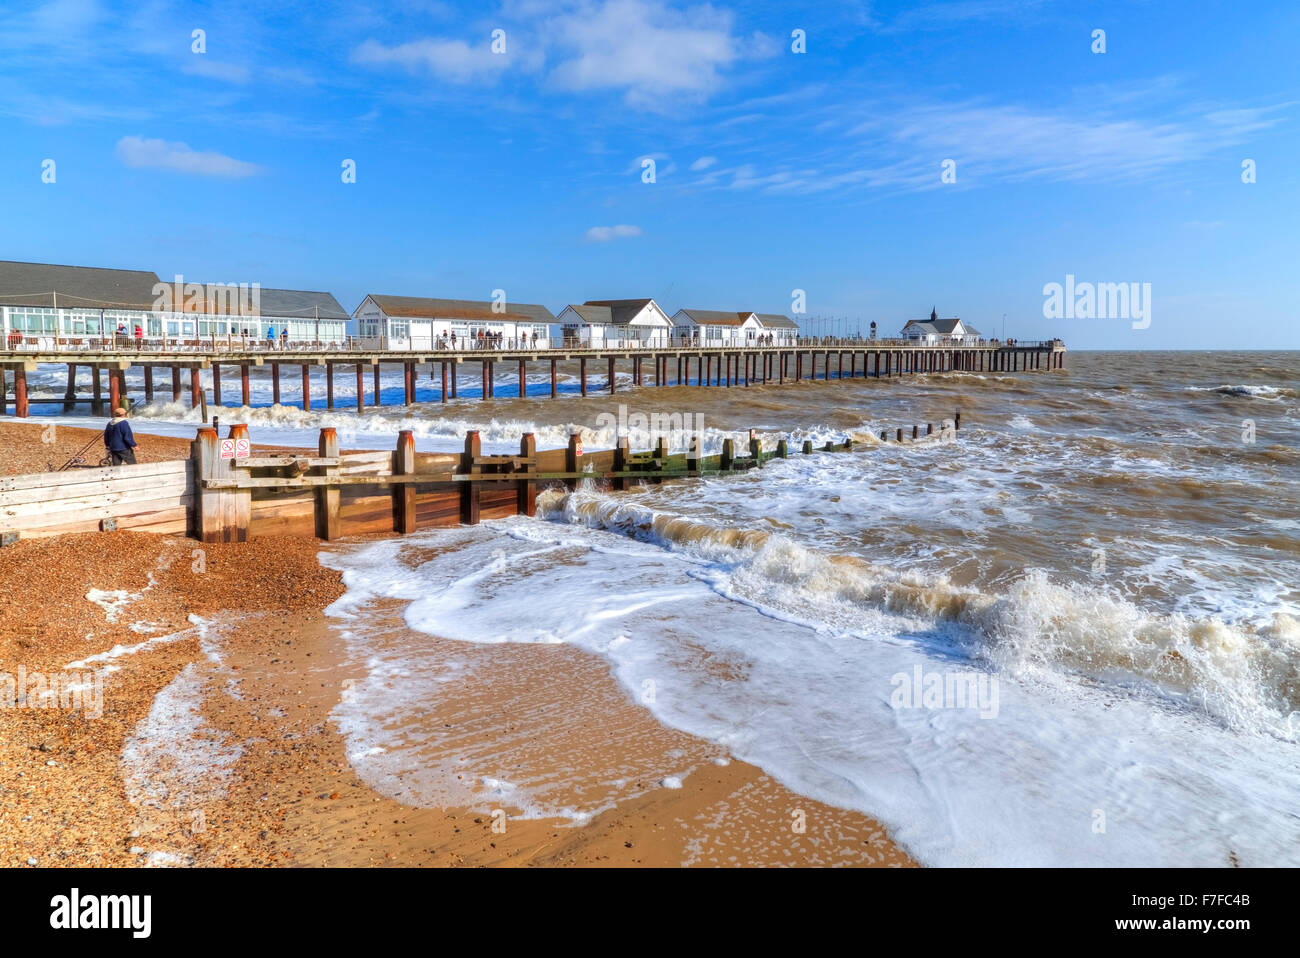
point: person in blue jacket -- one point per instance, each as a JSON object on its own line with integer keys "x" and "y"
{"x": 118, "y": 439}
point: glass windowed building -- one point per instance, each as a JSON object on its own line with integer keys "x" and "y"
{"x": 45, "y": 306}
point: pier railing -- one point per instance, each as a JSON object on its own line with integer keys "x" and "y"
{"x": 20, "y": 345}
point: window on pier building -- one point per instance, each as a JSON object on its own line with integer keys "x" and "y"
{"x": 33, "y": 319}
{"x": 79, "y": 322}
{"x": 399, "y": 329}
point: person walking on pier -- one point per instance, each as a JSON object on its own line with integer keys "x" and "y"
{"x": 118, "y": 439}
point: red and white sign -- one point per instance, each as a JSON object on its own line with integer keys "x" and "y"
{"x": 227, "y": 449}
{"x": 241, "y": 449}
{"x": 577, "y": 448}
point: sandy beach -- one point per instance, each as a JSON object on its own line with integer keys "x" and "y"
{"x": 216, "y": 745}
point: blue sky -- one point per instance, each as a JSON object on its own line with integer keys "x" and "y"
{"x": 774, "y": 170}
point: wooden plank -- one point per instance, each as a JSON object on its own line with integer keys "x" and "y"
{"x": 93, "y": 501}
{"x": 113, "y": 484}
{"x": 274, "y": 462}
{"x": 382, "y": 455}
{"x": 160, "y": 523}
{"x": 49, "y": 480}
{"x": 89, "y": 518}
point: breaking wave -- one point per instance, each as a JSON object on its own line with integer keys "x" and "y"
{"x": 1247, "y": 678}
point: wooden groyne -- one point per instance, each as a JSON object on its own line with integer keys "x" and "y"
{"x": 174, "y": 374}
{"x": 219, "y": 495}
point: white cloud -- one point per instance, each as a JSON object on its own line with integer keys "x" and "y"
{"x": 141, "y": 153}
{"x": 703, "y": 163}
{"x": 651, "y": 52}
{"x": 603, "y": 234}
{"x": 452, "y": 60}
{"x": 901, "y": 146}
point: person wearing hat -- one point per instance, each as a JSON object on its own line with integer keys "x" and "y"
{"x": 118, "y": 439}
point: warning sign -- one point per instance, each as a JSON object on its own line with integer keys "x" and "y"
{"x": 227, "y": 449}
{"x": 577, "y": 448}
{"x": 241, "y": 449}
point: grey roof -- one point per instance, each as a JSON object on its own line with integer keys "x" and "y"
{"x": 43, "y": 284}
{"x": 621, "y": 311}
{"x": 940, "y": 327}
{"x": 924, "y": 325}
{"x": 424, "y": 308}
{"x": 713, "y": 317}
{"x": 298, "y": 304}
{"x": 596, "y": 315}
{"x": 775, "y": 321}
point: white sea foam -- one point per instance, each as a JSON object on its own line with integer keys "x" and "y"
{"x": 955, "y": 789}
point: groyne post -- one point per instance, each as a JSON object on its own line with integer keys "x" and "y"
{"x": 526, "y": 493}
{"x": 327, "y": 498}
{"x": 404, "y": 519}
{"x": 573, "y": 458}
{"x": 239, "y": 514}
{"x": 469, "y": 491}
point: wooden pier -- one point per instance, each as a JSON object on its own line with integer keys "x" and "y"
{"x": 218, "y": 498}
{"x": 714, "y": 367}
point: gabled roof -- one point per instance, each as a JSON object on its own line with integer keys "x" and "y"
{"x": 596, "y": 315}
{"x": 279, "y": 303}
{"x": 940, "y": 327}
{"x": 423, "y": 308}
{"x": 711, "y": 317}
{"x": 775, "y": 321}
{"x": 300, "y": 304}
{"x": 89, "y": 287}
{"x": 622, "y": 311}
{"x": 923, "y": 325}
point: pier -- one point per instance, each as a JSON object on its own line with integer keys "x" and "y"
{"x": 174, "y": 372}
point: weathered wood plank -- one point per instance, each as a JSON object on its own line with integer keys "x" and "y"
{"x": 72, "y": 477}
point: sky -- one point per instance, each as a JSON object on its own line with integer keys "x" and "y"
{"x": 881, "y": 158}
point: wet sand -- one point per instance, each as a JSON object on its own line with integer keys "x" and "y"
{"x": 259, "y": 689}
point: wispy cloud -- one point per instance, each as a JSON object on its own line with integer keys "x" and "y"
{"x": 900, "y": 145}
{"x": 144, "y": 153}
{"x": 703, "y": 163}
{"x": 453, "y": 60}
{"x": 603, "y": 234}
